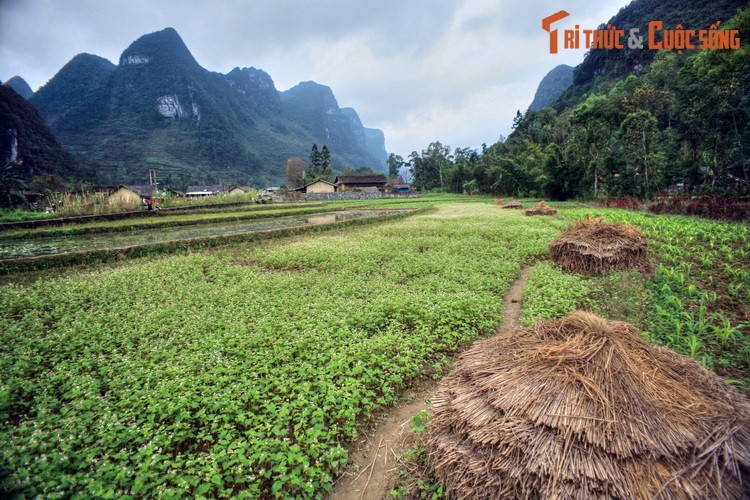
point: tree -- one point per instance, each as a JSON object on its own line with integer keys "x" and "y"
{"x": 395, "y": 162}
{"x": 11, "y": 184}
{"x": 638, "y": 131}
{"x": 315, "y": 170}
{"x": 592, "y": 133}
{"x": 429, "y": 170}
{"x": 325, "y": 161}
{"x": 295, "y": 171}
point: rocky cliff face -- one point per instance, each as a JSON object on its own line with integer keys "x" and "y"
{"x": 26, "y": 141}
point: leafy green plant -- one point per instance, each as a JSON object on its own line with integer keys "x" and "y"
{"x": 246, "y": 367}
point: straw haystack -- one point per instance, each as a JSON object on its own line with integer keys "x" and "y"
{"x": 584, "y": 408}
{"x": 594, "y": 246}
{"x": 541, "y": 209}
{"x": 513, "y": 204}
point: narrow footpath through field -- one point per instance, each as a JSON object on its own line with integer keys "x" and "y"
{"x": 374, "y": 457}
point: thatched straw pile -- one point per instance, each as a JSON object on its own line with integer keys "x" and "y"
{"x": 594, "y": 246}
{"x": 583, "y": 408}
{"x": 512, "y": 204}
{"x": 541, "y": 209}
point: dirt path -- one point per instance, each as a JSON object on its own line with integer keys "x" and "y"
{"x": 373, "y": 458}
{"x": 512, "y": 302}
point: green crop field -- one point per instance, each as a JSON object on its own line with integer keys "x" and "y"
{"x": 245, "y": 370}
{"x": 697, "y": 303}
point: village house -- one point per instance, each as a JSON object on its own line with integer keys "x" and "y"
{"x": 239, "y": 189}
{"x": 206, "y": 190}
{"x": 319, "y": 186}
{"x": 357, "y": 182}
{"x": 131, "y": 194}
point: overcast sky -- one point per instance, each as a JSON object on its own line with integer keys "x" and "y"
{"x": 420, "y": 70}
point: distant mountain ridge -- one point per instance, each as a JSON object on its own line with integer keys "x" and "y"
{"x": 159, "y": 108}
{"x": 20, "y": 86}
{"x": 552, "y": 86}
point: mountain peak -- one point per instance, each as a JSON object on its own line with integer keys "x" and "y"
{"x": 552, "y": 86}
{"x": 311, "y": 93}
{"x": 165, "y": 46}
{"x": 20, "y": 86}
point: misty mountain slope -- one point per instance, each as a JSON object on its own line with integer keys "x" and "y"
{"x": 552, "y": 86}
{"x": 159, "y": 107}
{"x": 20, "y": 86}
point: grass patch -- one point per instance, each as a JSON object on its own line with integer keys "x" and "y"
{"x": 552, "y": 293}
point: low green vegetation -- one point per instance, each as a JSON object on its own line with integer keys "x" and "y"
{"x": 696, "y": 303}
{"x": 154, "y": 221}
{"x": 552, "y": 293}
{"x": 243, "y": 370}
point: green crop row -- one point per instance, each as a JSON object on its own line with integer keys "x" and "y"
{"x": 243, "y": 370}
{"x": 159, "y": 220}
{"x": 98, "y": 256}
{"x": 552, "y": 293}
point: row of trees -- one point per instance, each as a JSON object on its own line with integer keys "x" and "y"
{"x": 682, "y": 124}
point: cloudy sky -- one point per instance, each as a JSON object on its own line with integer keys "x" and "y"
{"x": 420, "y": 70}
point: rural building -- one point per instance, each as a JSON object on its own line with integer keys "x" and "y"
{"x": 207, "y": 190}
{"x": 131, "y": 194}
{"x": 319, "y": 186}
{"x": 239, "y": 189}
{"x": 352, "y": 182}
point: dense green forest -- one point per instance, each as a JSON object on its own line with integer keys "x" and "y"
{"x": 681, "y": 124}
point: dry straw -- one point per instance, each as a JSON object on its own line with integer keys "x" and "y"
{"x": 541, "y": 209}
{"x": 513, "y": 204}
{"x": 583, "y": 408}
{"x": 594, "y": 246}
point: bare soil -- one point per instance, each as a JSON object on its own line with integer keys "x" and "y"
{"x": 374, "y": 457}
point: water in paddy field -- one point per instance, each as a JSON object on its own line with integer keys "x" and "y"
{"x": 37, "y": 246}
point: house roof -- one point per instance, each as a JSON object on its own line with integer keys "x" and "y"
{"x": 241, "y": 188}
{"x": 314, "y": 182}
{"x": 144, "y": 190}
{"x": 361, "y": 179}
{"x": 206, "y": 189}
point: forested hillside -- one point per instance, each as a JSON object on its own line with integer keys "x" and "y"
{"x": 681, "y": 124}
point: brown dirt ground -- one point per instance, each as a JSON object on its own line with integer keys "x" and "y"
{"x": 374, "y": 457}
